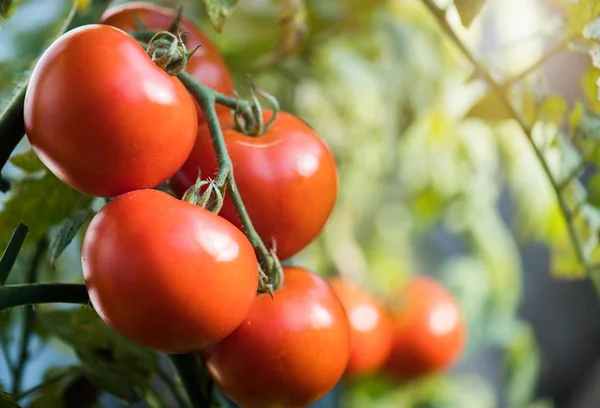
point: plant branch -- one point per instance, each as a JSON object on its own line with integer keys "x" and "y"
{"x": 36, "y": 293}
{"x": 28, "y": 321}
{"x": 193, "y": 378}
{"x": 12, "y": 125}
{"x": 38, "y": 387}
{"x": 207, "y": 98}
{"x": 501, "y": 93}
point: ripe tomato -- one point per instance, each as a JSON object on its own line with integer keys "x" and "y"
{"x": 206, "y": 65}
{"x": 287, "y": 178}
{"x": 370, "y": 329}
{"x": 289, "y": 351}
{"x": 103, "y": 117}
{"x": 429, "y": 331}
{"x": 167, "y": 274}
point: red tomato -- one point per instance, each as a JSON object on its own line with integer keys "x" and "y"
{"x": 289, "y": 351}
{"x": 370, "y": 329}
{"x": 206, "y": 65}
{"x": 167, "y": 274}
{"x": 287, "y": 178}
{"x": 103, "y": 117}
{"x": 429, "y": 330}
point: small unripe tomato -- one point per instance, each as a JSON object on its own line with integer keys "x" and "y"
{"x": 429, "y": 330}
{"x": 289, "y": 351}
{"x": 370, "y": 328}
{"x": 103, "y": 117}
{"x": 287, "y": 178}
{"x": 167, "y": 274}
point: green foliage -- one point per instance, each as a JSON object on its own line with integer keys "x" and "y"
{"x": 67, "y": 232}
{"x": 38, "y": 200}
{"x": 7, "y": 401}
{"x": 218, "y": 11}
{"x": 109, "y": 361}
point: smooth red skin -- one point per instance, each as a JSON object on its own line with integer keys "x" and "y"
{"x": 287, "y": 178}
{"x": 418, "y": 350}
{"x": 167, "y": 274}
{"x": 289, "y": 351}
{"x": 206, "y": 65}
{"x": 103, "y": 117}
{"x": 370, "y": 344}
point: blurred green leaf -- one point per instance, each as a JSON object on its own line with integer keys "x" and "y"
{"x": 66, "y": 387}
{"x": 468, "y": 10}
{"x": 66, "y": 233}
{"x": 553, "y": 109}
{"x": 111, "y": 362}
{"x": 39, "y": 203}
{"x": 489, "y": 108}
{"x": 7, "y": 8}
{"x": 218, "y": 11}
{"x": 7, "y": 401}
{"x": 27, "y": 161}
{"x": 522, "y": 366}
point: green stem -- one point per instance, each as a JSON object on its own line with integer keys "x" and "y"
{"x": 36, "y": 293}
{"x": 28, "y": 321}
{"x": 207, "y": 98}
{"x": 501, "y": 93}
{"x": 193, "y": 378}
{"x": 11, "y": 252}
{"x": 12, "y": 125}
{"x": 173, "y": 387}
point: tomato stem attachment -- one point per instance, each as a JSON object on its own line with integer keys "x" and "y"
{"x": 168, "y": 52}
{"x": 268, "y": 261}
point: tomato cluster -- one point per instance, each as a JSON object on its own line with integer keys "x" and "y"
{"x": 173, "y": 276}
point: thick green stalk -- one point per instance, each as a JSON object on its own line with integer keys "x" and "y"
{"x": 207, "y": 98}
{"x": 193, "y": 378}
{"x": 36, "y": 293}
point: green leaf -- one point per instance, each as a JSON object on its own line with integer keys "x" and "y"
{"x": 27, "y": 161}
{"x": 489, "y": 108}
{"x": 39, "y": 203}
{"x": 66, "y": 387}
{"x": 7, "y": 8}
{"x": 110, "y": 361}
{"x": 468, "y": 10}
{"x": 522, "y": 364}
{"x": 554, "y": 109}
{"x": 67, "y": 232}
{"x": 218, "y": 11}
{"x": 7, "y": 401}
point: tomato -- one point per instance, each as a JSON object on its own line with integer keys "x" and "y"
{"x": 370, "y": 329}
{"x": 167, "y": 274}
{"x": 289, "y": 351}
{"x": 103, "y": 117}
{"x": 429, "y": 330}
{"x": 286, "y": 177}
{"x": 206, "y": 65}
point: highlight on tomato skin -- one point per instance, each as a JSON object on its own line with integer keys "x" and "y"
{"x": 370, "y": 328}
{"x": 291, "y": 349}
{"x": 167, "y": 274}
{"x": 429, "y": 332}
{"x": 287, "y": 178}
{"x": 127, "y": 126}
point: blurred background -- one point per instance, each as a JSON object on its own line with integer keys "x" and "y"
{"x": 435, "y": 178}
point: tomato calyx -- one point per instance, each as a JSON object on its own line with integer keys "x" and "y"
{"x": 210, "y": 199}
{"x": 167, "y": 50}
{"x": 255, "y": 126}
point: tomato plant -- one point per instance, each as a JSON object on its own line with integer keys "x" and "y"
{"x": 428, "y": 330}
{"x": 277, "y": 174}
{"x": 370, "y": 328}
{"x": 167, "y": 274}
{"x": 301, "y": 329}
{"x": 206, "y": 65}
{"x": 127, "y": 126}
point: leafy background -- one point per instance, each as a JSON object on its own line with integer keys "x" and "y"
{"x": 436, "y": 177}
